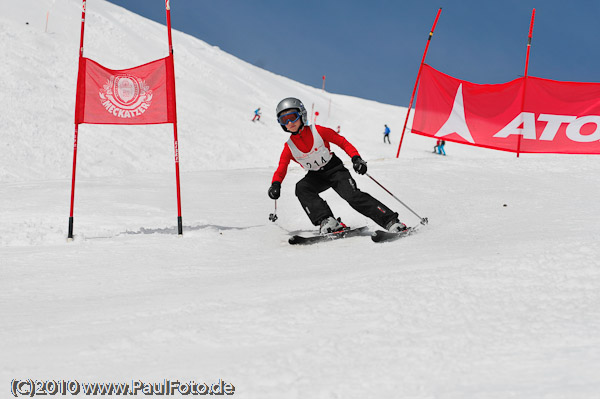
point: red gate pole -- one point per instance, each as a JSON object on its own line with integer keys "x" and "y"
{"x": 176, "y": 141}
{"x": 70, "y": 234}
{"x": 526, "y": 70}
{"x": 417, "y": 81}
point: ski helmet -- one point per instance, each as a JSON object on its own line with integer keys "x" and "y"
{"x": 291, "y": 103}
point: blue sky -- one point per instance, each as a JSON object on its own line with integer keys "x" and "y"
{"x": 372, "y": 49}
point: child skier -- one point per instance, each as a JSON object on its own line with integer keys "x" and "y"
{"x": 309, "y": 146}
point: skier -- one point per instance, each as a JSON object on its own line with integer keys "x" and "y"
{"x": 439, "y": 147}
{"x": 386, "y": 134}
{"x": 256, "y": 115}
{"x": 309, "y": 146}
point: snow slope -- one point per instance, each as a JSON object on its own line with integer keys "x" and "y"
{"x": 499, "y": 296}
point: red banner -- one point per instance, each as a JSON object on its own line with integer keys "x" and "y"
{"x": 137, "y": 96}
{"x": 528, "y": 115}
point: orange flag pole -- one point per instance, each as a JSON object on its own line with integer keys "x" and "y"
{"x": 526, "y": 71}
{"x": 171, "y": 74}
{"x": 70, "y": 233}
{"x": 417, "y": 82}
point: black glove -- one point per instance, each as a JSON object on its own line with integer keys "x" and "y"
{"x": 275, "y": 190}
{"x": 360, "y": 166}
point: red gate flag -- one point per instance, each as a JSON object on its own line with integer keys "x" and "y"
{"x": 141, "y": 95}
{"x": 552, "y": 116}
{"x": 136, "y": 96}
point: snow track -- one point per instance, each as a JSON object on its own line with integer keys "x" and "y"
{"x": 498, "y": 296}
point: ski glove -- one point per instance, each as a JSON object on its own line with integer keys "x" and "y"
{"x": 275, "y": 190}
{"x": 360, "y": 166}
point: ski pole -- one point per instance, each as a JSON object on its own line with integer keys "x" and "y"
{"x": 273, "y": 216}
{"x": 423, "y": 220}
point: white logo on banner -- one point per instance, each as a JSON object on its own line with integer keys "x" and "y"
{"x": 583, "y": 129}
{"x": 126, "y": 96}
{"x": 456, "y": 122}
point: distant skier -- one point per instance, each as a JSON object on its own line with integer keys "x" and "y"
{"x": 339, "y": 129}
{"x": 309, "y": 146}
{"x": 386, "y": 134}
{"x": 439, "y": 147}
{"x": 256, "y": 115}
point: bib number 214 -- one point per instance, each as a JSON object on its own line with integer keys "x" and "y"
{"x": 316, "y": 164}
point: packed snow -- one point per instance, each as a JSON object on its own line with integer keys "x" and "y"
{"x": 497, "y": 297}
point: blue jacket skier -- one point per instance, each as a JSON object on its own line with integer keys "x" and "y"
{"x": 439, "y": 147}
{"x": 256, "y": 115}
{"x": 386, "y": 134}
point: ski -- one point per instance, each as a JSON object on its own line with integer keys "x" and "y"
{"x": 347, "y": 232}
{"x": 386, "y": 236}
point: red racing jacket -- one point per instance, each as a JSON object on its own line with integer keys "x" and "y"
{"x": 304, "y": 141}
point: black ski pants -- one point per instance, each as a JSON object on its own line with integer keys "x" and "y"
{"x": 335, "y": 175}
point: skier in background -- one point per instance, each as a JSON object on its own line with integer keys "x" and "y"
{"x": 439, "y": 147}
{"x": 309, "y": 146}
{"x": 256, "y": 114}
{"x": 386, "y": 134}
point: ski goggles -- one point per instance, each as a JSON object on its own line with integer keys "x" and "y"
{"x": 289, "y": 117}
